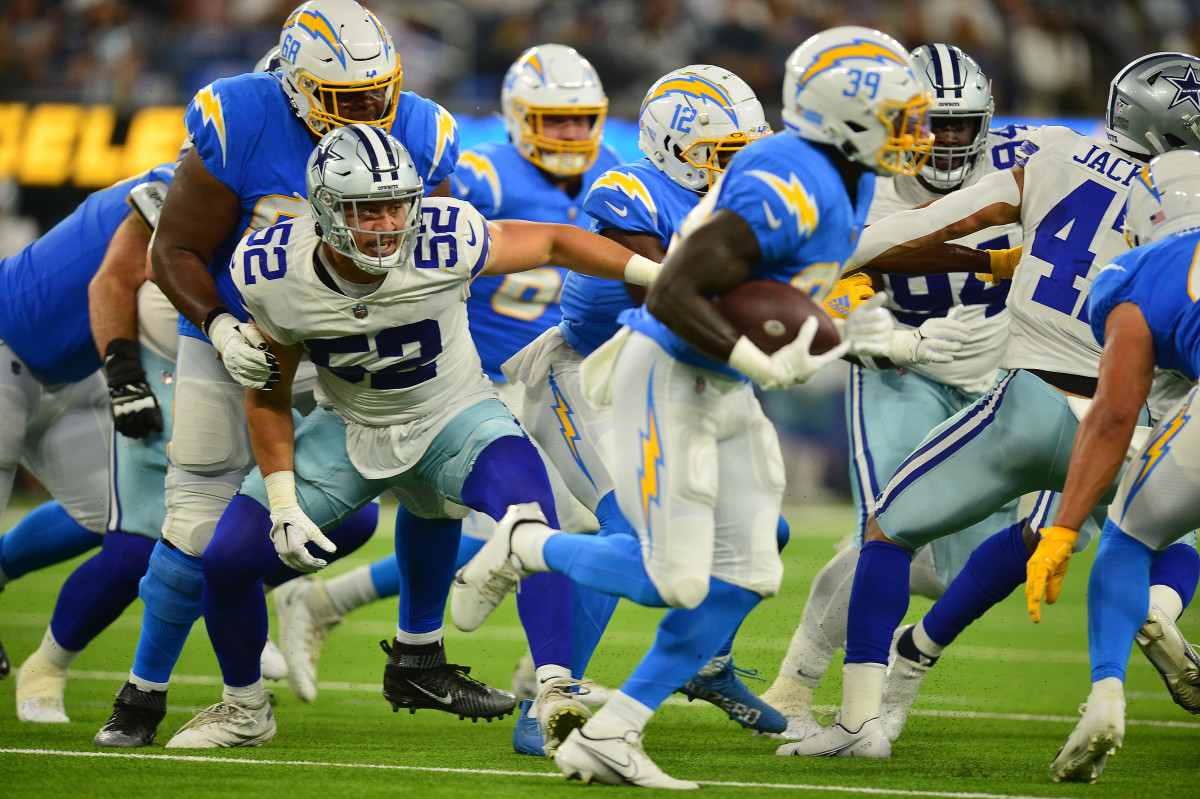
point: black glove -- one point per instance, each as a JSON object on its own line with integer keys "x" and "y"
{"x": 134, "y": 407}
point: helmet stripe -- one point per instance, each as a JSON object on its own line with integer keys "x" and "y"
{"x": 383, "y": 166}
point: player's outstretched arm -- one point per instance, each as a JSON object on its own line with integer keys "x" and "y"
{"x": 520, "y": 246}
{"x": 269, "y": 412}
{"x": 641, "y": 243}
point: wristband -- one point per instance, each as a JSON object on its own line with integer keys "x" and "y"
{"x": 751, "y": 361}
{"x": 212, "y": 317}
{"x": 281, "y": 489}
{"x": 641, "y": 271}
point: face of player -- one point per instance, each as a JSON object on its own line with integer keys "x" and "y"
{"x": 378, "y": 225}
{"x": 567, "y": 127}
{"x": 952, "y": 132}
{"x": 364, "y": 106}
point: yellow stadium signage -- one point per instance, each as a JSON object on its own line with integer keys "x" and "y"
{"x": 65, "y": 144}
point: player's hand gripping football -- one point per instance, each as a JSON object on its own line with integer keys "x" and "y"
{"x": 244, "y": 351}
{"x": 1047, "y": 567}
{"x": 290, "y": 531}
{"x": 790, "y": 365}
{"x": 135, "y": 409}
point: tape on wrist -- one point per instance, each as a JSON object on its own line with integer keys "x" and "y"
{"x": 281, "y": 489}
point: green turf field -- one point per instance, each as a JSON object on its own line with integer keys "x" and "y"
{"x": 990, "y": 717}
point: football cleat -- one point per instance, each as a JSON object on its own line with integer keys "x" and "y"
{"x": 1098, "y": 734}
{"x": 135, "y": 718}
{"x": 429, "y": 682}
{"x": 900, "y": 687}
{"x": 227, "y": 724}
{"x": 481, "y": 585}
{"x": 560, "y": 710}
{"x": 717, "y": 682}
{"x": 798, "y": 728}
{"x": 305, "y": 618}
{"x": 527, "y": 736}
{"x": 1175, "y": 659}
{"x": 837, "y": 741}
{"x": 40, "y": 686}
{"x": 613, "y": 761}
{"x": 271, "y": 661}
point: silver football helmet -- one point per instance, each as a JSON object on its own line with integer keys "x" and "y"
{"x": 855, "y": 89}
{"x": 552, "y": 80}
{"x": 356, "y": 174}
{"x": 330, "y": 51}
{"x": 961, "y": 93}
{"x": 1154, "y": 104}
{"x": 1165, "y": 198}
{"x": 693, "y": 117}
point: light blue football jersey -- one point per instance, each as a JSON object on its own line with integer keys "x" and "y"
{"x": 792, "y": 196}
{"x": 251, "y": 140}
{"x": 1162, "y": 279}
{"x": 44, "y": 288}
{"x": 636, "y": 198}
{"x": 506, "y": 312}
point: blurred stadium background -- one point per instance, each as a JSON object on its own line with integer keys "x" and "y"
{"x": 92, "y": 91}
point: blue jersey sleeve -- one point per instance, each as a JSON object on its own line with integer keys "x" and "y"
{"x": 620, "y": 200}
{"x": 477, "y": 181}
{"x": 773, "y": 201}
{"x": 1111, "y": 287}
{"x": 430, "y": 135}
{"x": 224, "y": 136}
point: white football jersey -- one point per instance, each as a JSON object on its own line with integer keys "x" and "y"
{"x": 912, "y": 299}
{"x": 395, "y": 364}
{"x": 1072, "y": 213}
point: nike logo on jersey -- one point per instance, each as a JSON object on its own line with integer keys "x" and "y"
{"x": 771, "y": 219}
{"x": 618, "y": 211}
{"x": 445, "y": 700}
{"x": 471, "y": 243}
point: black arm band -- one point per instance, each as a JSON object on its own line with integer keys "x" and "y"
{"x": 212, "y": 317}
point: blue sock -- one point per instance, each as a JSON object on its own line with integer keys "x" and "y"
{"x": 593, "y": 609}
{"x": 425, "y": 551}
{"x": 235, "y": 609}
{"x": 99, "y": 590}
{"x": 1118, "y": 600}
{"x": 878, "y": 601}
{"x": 994, "y": 570}
{"x": 385, "y": 576}
{"x": 347, "y": 536}
{"x": 171, "y": 591}
{"x": 44, "y": 536}
{"x": 1178, "y": 568}
{"x": 686, "y": 640}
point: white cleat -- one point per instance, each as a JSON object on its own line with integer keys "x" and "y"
{"x": 481, "y": 585}
{"x": 900, "y": 688}
{"x": 560, "y": 710}
{"x": 305, "y": 617}
{"x": 837, "y": 741}
{"x": 613, "y": 761}
{"x": 1098, "y": 734}
{"x": 1175, "y": 659}
{"x": 40, "y": 686}
{"x": 227, "y": 724}
{"x": 273, "y": 666}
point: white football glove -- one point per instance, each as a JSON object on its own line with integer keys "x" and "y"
{"x": 790, "y": 365}
{"x": 290, "y": 531}
{"x": 244, "y": 351}
{"x": 869, "y": 328}
{"x": 935, "y": 341}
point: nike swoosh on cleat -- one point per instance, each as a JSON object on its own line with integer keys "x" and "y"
{"x": 445, "y": 700}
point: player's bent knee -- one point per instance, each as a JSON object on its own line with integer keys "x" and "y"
{"x": 685, "y": 592}
{"x": 192, "y": 513}
{"x": 172, "y": 586}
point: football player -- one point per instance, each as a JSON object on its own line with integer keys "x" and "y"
{"x": 373, "y": 288}
{"x": 249, "y": 138}
{"x": 696, "y": 465}
{"x": 1067, "y": 191}
{"x": 1142, "y": 311}
{"x": 923, "y": 395}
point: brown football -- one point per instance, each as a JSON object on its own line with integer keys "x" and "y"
{"x": 770, "y": 313}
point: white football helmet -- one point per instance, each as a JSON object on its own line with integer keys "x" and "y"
{"x": 330, "y": 50}
{"x": 1154, "y": 104}
{"x": 552, "y": 80}
{"x": 1165, "y": 199}
{"x": 692, "y": 117}
{"x": 269, "y": 62}
{"x": 855, "y": 89}
{"x": 354, "y": 169}
{"x": 961, "y": 92}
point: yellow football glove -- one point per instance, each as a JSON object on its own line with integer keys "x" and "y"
{"x": 1047, "y": 567}
{"x": 1004, "y": 265}
{"x": 848, "y": 293}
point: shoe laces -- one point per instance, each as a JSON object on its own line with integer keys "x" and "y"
{"x": 746, "y": 674}
{"x": 222, "y": 711}
{"x": 500, "y": 578}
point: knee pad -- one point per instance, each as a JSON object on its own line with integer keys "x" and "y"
{"x": 193, "y": 510}
{"x": 172, "y": 586}
{"x": 684, "y": 591}
{"x": 215, "y": 440}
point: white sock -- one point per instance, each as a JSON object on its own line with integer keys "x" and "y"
{"x": 252, "y": 694}
{"x": 550, "y": 672}
{"x": 822, "y": 627}
{"x": 528, "y": 540}
{"x": 1167, "y": 599}
{"x": 419, "y": 638}
{"x": 55, "y": 653}
{"x": 924, "y": 643}
{"x": 351, "y": 590}
{"x": 862, "y": 693}
{"x": 1109, "y": 684}
{"x": 145, "y": 685}
{"x": 620, "y": 715}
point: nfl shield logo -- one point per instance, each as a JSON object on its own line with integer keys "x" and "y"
{"x": 360, "y": 311}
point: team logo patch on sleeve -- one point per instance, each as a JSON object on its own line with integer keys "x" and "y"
{"x": 447, "y": 132}
{"x": 797, "y": 202}
{"x": 482, "y": 168}
{"x": 211, "y": 113}
{"x": 630, "y": 186}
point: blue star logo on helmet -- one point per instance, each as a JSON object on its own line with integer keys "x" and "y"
{"x": 1187, "y": 89}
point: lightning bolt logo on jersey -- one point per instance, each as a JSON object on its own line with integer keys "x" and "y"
{"x": 509, "y": 311}
{"x": 249, "y": 138}
{"x": 804, "y": 186}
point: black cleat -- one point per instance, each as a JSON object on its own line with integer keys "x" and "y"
{"x": 418, "y": 677}
{"x": 135, "y": 718}
{"x": 5, "y": 666}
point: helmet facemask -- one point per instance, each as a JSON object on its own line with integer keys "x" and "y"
{"x": 372, "y": 250}
{"x": 326, "y": 99}
{"x": 910, "y": 142}
{"x": 564, "y": 157}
